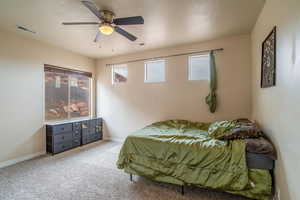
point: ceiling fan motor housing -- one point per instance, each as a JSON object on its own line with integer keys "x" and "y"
{"x": 107, "y": 16}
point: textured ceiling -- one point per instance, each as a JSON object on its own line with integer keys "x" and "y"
{"x": 167, "y": 22}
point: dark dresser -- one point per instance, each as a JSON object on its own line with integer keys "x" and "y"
{"x": 91, "y": 130}
{"x": 62, "y": 136}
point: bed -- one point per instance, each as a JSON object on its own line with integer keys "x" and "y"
{"x": 183, "y": 153}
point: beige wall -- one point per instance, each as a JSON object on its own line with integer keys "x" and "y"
{"x": 22, "y": 90}
{"x": 130, "y": 106}
{"x": 277, "y": 108}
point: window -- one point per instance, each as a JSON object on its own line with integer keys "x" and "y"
{"x": 119, "y": 73}
{"x": 155, "y": 71}
{"x": 67, "y": 93}
{"x": 199, "y": 67}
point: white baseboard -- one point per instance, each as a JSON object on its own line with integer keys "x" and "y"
{"x": 21, "y": 159}
{"x": 119, "y": 140}
{"x": 113, "y": 139}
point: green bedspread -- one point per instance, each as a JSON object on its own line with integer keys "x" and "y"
{"x": 181, "y": 152}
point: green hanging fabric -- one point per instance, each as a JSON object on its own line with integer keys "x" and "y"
{"x": 211, "y": 99}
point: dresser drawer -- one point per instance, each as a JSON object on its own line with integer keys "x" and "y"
{"x": 91, "y": 137}
{"x": 84, "y": 140}
{"x": 94, "y": 137}
{"x": 85, "y": 131}
{"x": 99, "y": 122}
{"x": 62, "y": 137}
{"x": 98, "y": 136}
{"x": 98, "y": 125}
{"x": 56, "y": 129}
{"x": 76, "y": 126}
{"x": 93, "y": 123}
{"x": 98, "y": 129}
{"x": 60, "y": 147}
{"x": 76, "y": 134}
{"x": 76, "y": 142}
{"x": 92, "y": 131}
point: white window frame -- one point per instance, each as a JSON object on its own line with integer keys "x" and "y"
{"x": 69, "y": 118}
{"x": 190, "y": 66}
{"x": 164, "y": 71}
{"x": 112, "y": 73}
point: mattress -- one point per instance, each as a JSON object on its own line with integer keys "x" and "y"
{"x": 259, "y": 161}
{"x": 260, "y": 153}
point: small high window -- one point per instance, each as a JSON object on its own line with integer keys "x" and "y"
{"x": 155, "y": 71}
{"x": 119, "y": 73}
{"x": 199, "y": 67}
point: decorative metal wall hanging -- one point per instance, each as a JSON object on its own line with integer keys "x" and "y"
{"x": 268, "y": 61}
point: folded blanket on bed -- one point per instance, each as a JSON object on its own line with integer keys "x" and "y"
{"x": 182, "y": 152}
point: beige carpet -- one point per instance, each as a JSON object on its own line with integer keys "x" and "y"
{"x": 89, "y": 173}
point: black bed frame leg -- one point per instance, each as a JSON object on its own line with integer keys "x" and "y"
{"x": 182, "y": 190}
{"x": 130, "y": 177}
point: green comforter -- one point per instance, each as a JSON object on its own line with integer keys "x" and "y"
{"x": 182, "y": 152}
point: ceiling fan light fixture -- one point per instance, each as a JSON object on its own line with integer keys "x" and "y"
{"x": 106, "y": 29}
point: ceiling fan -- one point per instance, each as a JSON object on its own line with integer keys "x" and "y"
{"x": 107, "y": 23}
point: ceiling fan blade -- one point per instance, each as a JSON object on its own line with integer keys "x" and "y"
{"x": 97, "y": 37}
{"x": 129, "y": 20}
{"x": 125, "y": 33}
{"x": 92, "y": 7}
{"x": 80, "y": 23}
